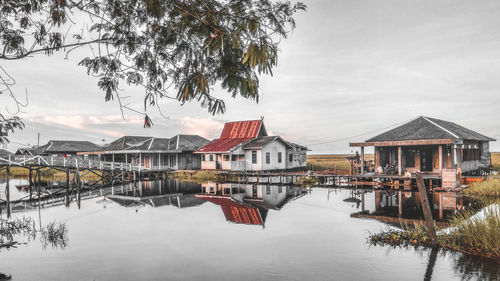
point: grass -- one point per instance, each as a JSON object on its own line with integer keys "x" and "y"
{"x": 470, "y": 235}
{"x": 46, "y": 174}
{"x": 473, "y": 235}
{"x": 495, "y": 160}
{"x": 488, "y": 188}
{"x": 198, "y": 176}
{"x": 331, "y": 162}
{"x": 307, "y": 181}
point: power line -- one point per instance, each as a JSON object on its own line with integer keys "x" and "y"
{"x": 366, "y": 133}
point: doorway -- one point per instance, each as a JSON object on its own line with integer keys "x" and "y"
{"x": 426, "y": 156}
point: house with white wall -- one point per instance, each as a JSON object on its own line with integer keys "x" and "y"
{"x": 246, "y": 146}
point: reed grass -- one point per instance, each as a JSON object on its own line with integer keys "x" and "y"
{"x": 46, "y": 174}
{"x": 471, "y": 235}
{"x": 198, "y": 176}
{"x": 55, "y": 234}
{"x": 475, "y": 235}
{"x": 495, "y": 160}
{"x": 331, "y": 161}
{"x": 486, "y": 188}
{"x": 308, "y": 181}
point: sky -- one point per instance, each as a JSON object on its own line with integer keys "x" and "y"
{"x": 349, "y": 71}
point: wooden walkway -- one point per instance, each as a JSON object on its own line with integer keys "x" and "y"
{"x": 326, "y": 179}
{"x": 60, "y": 162}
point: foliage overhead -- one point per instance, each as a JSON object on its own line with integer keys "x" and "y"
{"x": 178, "y": 49}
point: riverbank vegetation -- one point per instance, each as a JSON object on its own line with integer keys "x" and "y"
{"x": 468, "y": 233}
{"x": 487, "y": 188}
{"x": 495, "y": 160}
{"x": 198, "y": 176}
{"x": 47, "y": 174}
{"x": 331, "y": 162}
{"x": 308, "y": 181}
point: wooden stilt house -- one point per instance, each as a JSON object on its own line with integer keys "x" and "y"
{"x": 427, "y": 145}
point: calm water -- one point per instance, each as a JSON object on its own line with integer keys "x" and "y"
{"x": 166, "y": 230}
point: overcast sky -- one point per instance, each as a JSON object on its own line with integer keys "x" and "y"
{"x": 350, "y": 68}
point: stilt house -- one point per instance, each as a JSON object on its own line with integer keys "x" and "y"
{"x": 151, "y": 153}
{"x": 428, "y": 145}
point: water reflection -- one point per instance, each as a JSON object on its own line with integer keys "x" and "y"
{"x": 320, "y": 230}
{"x": 248, "y": 203}
{"x": 396, "y": 207}
{"x": 157, "y": 193}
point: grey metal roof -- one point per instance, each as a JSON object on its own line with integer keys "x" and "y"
{"x": 69, "y": 146}
{"x": 5, "y": 153}
{"x": 262, "y": 141}
{"x": 177, "y": 143}
{"x": 424, "y": 128}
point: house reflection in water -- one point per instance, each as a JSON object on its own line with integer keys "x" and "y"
{"x": 247, "y": 203}
{"x": 404, "y": 207}
{"x": 158, "y": 193}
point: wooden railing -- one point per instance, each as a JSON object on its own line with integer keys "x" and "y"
{"x": 75, "y": 163}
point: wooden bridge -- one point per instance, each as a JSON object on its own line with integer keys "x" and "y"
{"x": 72, "y": 170}
{"x": 60, "y": 162}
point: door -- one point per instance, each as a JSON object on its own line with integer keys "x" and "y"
{"x": 146, "y": 162}
{"x": 426, "y": 157}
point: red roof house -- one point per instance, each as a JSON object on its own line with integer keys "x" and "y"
{"x": 233, "y": 134}
{"x": 235, "y": 211}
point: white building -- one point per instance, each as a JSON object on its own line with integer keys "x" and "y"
{"x": 245, "y": 146}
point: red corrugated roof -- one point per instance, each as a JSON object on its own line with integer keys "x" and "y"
{"x": 221, "y": 145}
{"x": 241, "y": 129}
{"x": 233, "y": 134}
{"x": 234, "y": 211}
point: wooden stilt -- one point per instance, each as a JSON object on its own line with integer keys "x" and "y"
{"x": 67, "y": 187}
{"x": 78, "y": 184}
{"x": 7, "y": 190}
{"x": 426, "y": 209}
{"x": 31, "y": 182}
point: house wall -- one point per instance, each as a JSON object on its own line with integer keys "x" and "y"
{"x": 239, "y": 164}
{"x": 248, "y": 160}
{"x": 207, "y": 164}
{"x": 299, "y": 158}
{"x": 272, "y": 196}
{"x": 272, "y": 148}
{"x": 225, "y": 164}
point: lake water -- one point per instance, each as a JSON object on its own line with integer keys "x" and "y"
{"x": 168, "y": 230}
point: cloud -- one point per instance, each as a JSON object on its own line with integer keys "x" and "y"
{"x": 205, "y": 127}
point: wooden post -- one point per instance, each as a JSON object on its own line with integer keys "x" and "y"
{"x": 426, "y": 209}
{"x": 430, "y": 265}
{"x": 67, "y": 187}
{"x": 362, "y": 160}
{"x": 440, "y": 157}
{"x": 7, "y": 190}
{"x": 400, "y": 203}
{"x": 31, "y": 183}
{"x": 400, "y": 166}
{"x": 78, "y": 183}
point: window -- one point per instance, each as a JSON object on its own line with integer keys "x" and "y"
{"x": 471, "y": 155}
{"x": 234, "y": 157}
{"x": 409, "y": 157}
{"x": 268, "y": 157}
{"x": 279, "y": 157}
{"x": 211, "y": 157}
{"x": 173, "y": 160}
{"x": 268, "y": 190}
{"x": 226, "y": 157}
{"x": 203, "y": 157}
{"x": 254, "y": 191}
{"x": 254, "y": 156}
{"x": 290, "y": 158}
